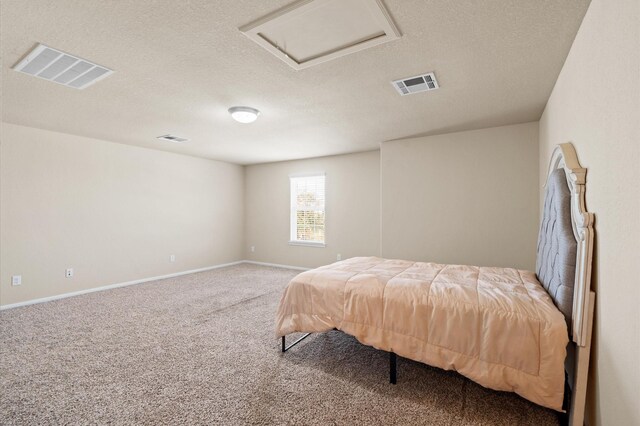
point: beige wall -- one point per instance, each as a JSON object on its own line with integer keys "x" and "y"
{"x": 464, "y": 198}
{"x": 596, "y": 105}
{"x": 114, "y": 213}
{"x": 468, "y": 197}
{"x": 352, "y": 209}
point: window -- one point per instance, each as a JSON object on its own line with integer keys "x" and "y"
{"x": 307, "y": 210}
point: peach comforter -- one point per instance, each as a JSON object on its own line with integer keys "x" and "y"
{"x": 496, "y": 326}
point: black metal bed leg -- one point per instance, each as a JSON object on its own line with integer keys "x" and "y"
{"x": 566, "y": 402}
{"x": 393, "y": 373}
{"x": 284, "y": 343}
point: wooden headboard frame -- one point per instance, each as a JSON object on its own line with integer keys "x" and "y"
{"x": 577, "y": 364}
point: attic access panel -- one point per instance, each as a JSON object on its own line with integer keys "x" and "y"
{"x": 310, "y": 32}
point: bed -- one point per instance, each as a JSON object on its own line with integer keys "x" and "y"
{"x": 504, "y": 328}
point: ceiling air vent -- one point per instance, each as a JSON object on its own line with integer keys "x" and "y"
{"x": 54, "y": 65}
{"x": 173, "y": 138}
{"x": 417, "y": 84}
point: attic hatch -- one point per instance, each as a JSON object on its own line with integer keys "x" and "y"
{"x": 416, "y": 84}
{"x": 310, "y": 32}
{"x": 62, "y": 68}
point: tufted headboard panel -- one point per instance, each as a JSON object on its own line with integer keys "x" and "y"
{"x": 557, "y": 245}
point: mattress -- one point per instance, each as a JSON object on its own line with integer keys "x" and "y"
{"x": 496, "y": 326}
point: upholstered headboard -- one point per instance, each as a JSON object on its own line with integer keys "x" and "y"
{"x": 563, "y": 265}
{"x": 556, "y": 255}
{"x": 565, "y": 242}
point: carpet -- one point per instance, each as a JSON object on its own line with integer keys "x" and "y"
{"x": 201, "y": 349}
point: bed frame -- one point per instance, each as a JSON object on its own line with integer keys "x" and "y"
{"x": 579, "y": 348}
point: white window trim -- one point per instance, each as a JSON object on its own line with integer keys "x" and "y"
{"x": 307, "y": 243}
{"x": 307, "y": 174}
{"x": 292, "y": 223}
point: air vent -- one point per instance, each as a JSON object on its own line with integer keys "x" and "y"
{"x": 417, "y": 84}
{"x": 53, "y": 65}
{"x": 173, "y": 138}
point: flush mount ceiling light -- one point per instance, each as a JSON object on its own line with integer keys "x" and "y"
{"x": 244, "y": 114}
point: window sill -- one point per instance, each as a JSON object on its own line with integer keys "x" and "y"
{"x": 307, "y": 243}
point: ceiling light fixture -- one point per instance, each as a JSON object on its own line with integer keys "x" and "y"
{"x": 244, "y": 114}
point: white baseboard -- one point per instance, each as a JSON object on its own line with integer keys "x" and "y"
{"x": 276, "y": 265}
{"x": 112, "y": 286}
{"x": 140, "y": 281}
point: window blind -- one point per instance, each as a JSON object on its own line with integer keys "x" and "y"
{"x": 307, "y": 208}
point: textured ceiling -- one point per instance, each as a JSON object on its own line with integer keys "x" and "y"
{"x": 181, "y": 64}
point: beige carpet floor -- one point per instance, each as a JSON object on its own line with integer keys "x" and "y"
{"x": 200, "y": 349}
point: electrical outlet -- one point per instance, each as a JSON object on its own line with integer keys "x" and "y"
{"x": 253, "y": 249}
{"x": 69, "y": 273}
{"x": 172, "y": 258}
{"x": 339, "y": 257}
{"x": 16, "y": 280}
